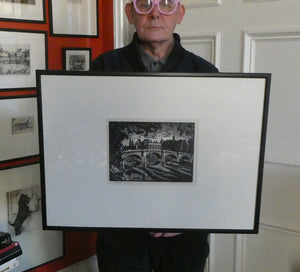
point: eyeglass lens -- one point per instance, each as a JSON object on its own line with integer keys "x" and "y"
{"x": 165, "y": 6}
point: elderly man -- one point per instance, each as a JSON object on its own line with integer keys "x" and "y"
{"x": 154, "y": 48}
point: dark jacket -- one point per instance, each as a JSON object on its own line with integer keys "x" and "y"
{"x": 128, "y": 59}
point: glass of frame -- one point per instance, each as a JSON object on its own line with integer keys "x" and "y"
{"x": 18, "y": 128}
{"x": 22, "y": 186}
{"x": 74, "y": 18}
{"x": 22, "y": 10}
{"x": 22, "y": 53}
{"x": 76, "y": 59}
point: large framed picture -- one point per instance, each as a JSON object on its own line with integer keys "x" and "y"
{"x": 74, "y": 18}
{"x": 21, "y": 216}
{"x": 18, "y": 128}
{"x": 76, "y": 59}
{"x": 155, "y": 151}
{"x": 23, "y": 10}
{"x": 22, "y": 53}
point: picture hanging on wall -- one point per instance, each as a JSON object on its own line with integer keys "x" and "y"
{"x": 18, "y": 128}
{"x": 22, "y": 10}
{"x": 24, "y": 204}
{"x": 77, "y": 18}
{"x": 22, "y": 52}
{"x": 21, "y": 216}
{"x": 76, "y": 59}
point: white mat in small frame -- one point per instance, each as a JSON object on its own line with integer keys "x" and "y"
{"x": 23, "y": 52}
{"x": 74, "y": 17}
{"x": 26, "y": 10}
{"x": 18, "y": 128}
{"x": 38, "y": 246}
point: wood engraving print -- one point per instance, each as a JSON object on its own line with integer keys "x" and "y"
{"x": 151, "y": 151}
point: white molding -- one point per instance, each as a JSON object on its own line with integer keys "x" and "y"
{"x": 251, "y": 38}
{"x": 210, "y": 264}
{"x": 239, "y": 252}
{"x": 217, "y": 55}
{"x": 118, "y": 23}
{"x": 122, "y": 29}
{"x": 241, "y": 245}
{"x": 285, "y": 160}
{"x": 274, "y": 159}
{"x": 257, "y": 1}
{"x": 280, "y": 229}
{"x": 202, "y": 3}
{"x": 212, "y": 39}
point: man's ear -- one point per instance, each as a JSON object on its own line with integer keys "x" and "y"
{"x": 181, "y": 12}
{"x": 129, "y": 12}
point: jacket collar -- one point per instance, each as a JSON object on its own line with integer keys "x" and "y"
{"x": 136, "y": 60}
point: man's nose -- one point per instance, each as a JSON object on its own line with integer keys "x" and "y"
{"x": 155, "y": 12}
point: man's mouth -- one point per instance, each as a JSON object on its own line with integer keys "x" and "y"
{"x": 154, "y": 27}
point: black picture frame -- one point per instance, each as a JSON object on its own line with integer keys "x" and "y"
{"x": 39, "y": 246}
{"x": 60, "y": 25}
{"x": 16, "y": 11}
{"x": 76, "y": 58}
{"x": 29, "y": 48}
{"x": 19, "y": 130}
{"x": 229, "y": 111}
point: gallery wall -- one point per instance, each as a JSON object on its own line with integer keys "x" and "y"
{"x": 77, "y": 245}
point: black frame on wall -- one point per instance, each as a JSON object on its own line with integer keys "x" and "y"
{"x": 27, "y": 12}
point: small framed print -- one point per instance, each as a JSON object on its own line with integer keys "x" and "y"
{"x": 21, "y": 216}
{"x": 77, "y": 18}
{"x": 76, "y": 59}
{"x": 21, "y": 54}
{"x": 18, "y": 128}
{"x": 22, "y": 10}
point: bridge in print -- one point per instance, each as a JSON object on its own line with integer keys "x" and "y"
{"x": 154, "y": 156}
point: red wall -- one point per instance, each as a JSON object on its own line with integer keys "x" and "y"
{"x": 78, "y": 245}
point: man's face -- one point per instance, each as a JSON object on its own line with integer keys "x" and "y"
{"x": 154, "y": 27}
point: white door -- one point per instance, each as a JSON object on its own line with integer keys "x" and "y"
{"x": 254, "y": 36}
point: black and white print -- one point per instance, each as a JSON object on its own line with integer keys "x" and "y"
{"x": 14, "y": 59}
{"x": 24, "y": 210}
{"x": 77, "y": 62}
{"x": 22, "y": 124}
{"x": 151, "y": 151}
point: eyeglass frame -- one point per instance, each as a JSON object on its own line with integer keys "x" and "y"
{"x": 155, "y": 3}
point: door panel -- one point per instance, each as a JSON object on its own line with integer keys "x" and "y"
{"x": 272, "y": 250}
{"x": 278, "y": 53}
